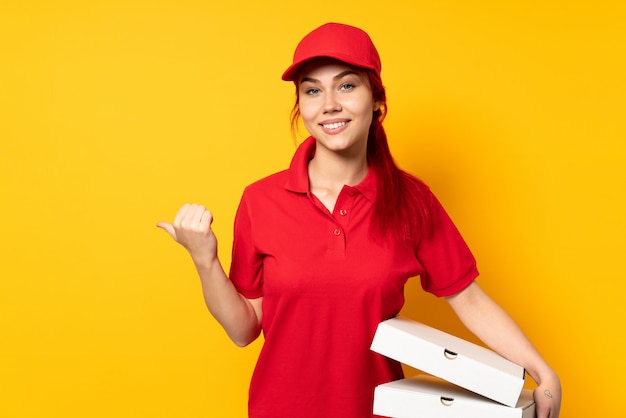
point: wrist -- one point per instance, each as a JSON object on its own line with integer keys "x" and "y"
{"x": 548, "y": 378}
{"x": 204, "y": 261}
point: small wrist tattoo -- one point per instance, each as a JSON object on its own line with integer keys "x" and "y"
{"x": 547, "y": 393}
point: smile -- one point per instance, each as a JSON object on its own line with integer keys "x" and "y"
{"x": 335, "y": 125}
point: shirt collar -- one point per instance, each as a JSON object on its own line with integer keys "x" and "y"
{"x": 298, "y": 178}
{"x": 367, "y": 186}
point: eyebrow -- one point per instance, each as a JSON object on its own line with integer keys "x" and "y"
{"x": 337, "y": 77}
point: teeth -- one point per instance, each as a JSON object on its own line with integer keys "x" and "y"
{"x": 333, "y": 125}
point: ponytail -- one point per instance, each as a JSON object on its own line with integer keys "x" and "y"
{"x": 402, "y": 207}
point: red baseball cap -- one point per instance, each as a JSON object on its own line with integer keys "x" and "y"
{"x": 335, "y": 40}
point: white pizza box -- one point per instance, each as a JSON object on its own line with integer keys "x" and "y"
{"x": 429, "y": 396}
{"x": 451, "y": 358}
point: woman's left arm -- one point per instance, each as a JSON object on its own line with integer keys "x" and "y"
{"x": 492, "y": 325}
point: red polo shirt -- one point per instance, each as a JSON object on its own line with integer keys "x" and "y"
{"x": 325, "y": 286}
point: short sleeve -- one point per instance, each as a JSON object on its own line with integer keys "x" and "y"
{"x": 246, "y": 269}
{"x": 449, "y": 265}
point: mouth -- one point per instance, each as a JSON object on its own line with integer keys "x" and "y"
{"x": 334, "y": 125}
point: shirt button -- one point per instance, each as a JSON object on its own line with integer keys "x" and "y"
{"x": 343, "y": 212}
{"x": 337, "y": 232}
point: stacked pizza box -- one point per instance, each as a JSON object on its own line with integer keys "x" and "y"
{"x": 462, "y": 380}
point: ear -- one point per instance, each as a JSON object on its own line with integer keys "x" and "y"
{"x": 376, "y": 105}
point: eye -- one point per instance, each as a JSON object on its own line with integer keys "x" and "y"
{"x": 311, "y": 91}
{"x": 347, "y": 86}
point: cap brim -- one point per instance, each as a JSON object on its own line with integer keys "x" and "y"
{"x": 291, "y": 74}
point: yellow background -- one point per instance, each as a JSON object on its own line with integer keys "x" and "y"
{"x": 114, "y": 113}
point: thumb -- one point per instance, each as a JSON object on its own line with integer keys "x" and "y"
{"x": 167, "y": 227}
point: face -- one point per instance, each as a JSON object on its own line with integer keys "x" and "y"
{"x": 336, "y": 106}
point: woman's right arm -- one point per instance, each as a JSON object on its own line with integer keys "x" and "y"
{"x": 240, "y": 317}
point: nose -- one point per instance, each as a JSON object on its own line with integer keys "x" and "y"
{"x": 331, "y": 104}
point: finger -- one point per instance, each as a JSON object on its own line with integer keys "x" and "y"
{"x": 191, "y": 216}
{"x": 206, "y": 220}
{"x": 543, "y": 404}
{"x": 182, "y": 213}
{"x": 197, "y": 213}
{"x": 169, "y": 228}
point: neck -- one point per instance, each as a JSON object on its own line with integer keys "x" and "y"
{"x": 334, "y": 171}
{"x": 329, "y": 172}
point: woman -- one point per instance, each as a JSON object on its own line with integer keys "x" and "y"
{"x": 323, "y": 249}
